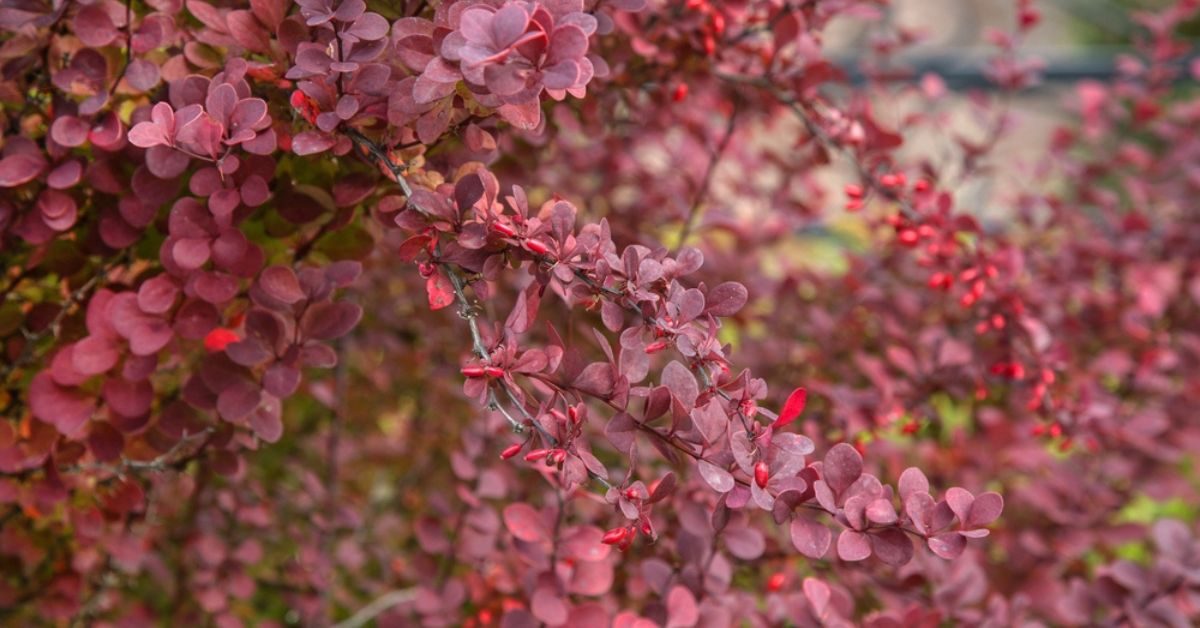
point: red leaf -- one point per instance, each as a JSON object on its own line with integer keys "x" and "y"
{"x": 791, "y": 408}
{"x": 441, "y": 291}
{"x": 524, "y": 522}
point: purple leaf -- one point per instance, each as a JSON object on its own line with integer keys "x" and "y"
{"x": 948, "y": 545}
{"x": 960, "y": 501}
{"x": 267, "y": 419}
{"x": 64, "y": 408}
{"x": 94, "y": 355}
{"x": 912, "y": 481}
{"x": 280, "y": 283}
{"x": 818, "y": 595}
{"x": 810, "y": 537}
{"x": 719, "y": 479}
{"x": 128, "y": 399}
{"x": 853, "y": 545}
{"x": 682, "y": 610}
{"x": 682, "y": 383}
{"x": 548, "y": 607}
{"x": 327, "y": 321}
{"x": 69, "y": 131}
{"x": 726, "y": 299}
{"x": 157, "y": 294}
{"x": 892, "y": 546}
{"x": 882, "y": 512}
{"x": 237, "y": 401}
{"x": 312, "y": 142}
{"x": 281, "y": 380}
{"x": 842, "y": 466}
{"x": 986, "y": 508}
{"x": 745, "y": 543}
{"x": 20, "y": 168}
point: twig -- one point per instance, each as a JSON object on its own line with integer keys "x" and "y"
{"x": 706, "y": 181}
{"x": 826, "y": 140}
{"x": 379, "y": 605}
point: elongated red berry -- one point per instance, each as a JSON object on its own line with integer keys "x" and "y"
{"x": 762, "y": 474}
{"x": 536, "y": 455}
{"x": 503, "y": 229}
{"x": 473, "y": 371}
{"x": 511, "y": 451}
{"x": 537, "y": 247}
{"x": 493, "y": 371}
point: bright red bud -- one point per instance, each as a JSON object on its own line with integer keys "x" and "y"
{"x": 656, "y": 346}
{"x": 473, "y": 371}
{"x": 537, "y": 247}
{"x": 511, "y": 451}
{"x": 614, "y": 536}
{"x": 503, "y": 229}
{"x": 493, "y": 371}
{"x": 762, "y": 474}
{"x": 536, "y": 455}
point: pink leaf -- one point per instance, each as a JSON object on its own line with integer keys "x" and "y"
{"x": 853, "y": 545}
{"x": 948, "y": 545}
{"x": 524, "y": 522}
{"x": 810, "y": 537}
{"x": 682, "y": 610}
{"x": 842, "y": 466}
{"x": 719, "y": 479}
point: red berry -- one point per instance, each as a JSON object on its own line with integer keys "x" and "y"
{"x": 775, "y": 582}
{"x": 536, "y": 455}
{"x": 219, "y": 338}
{"x": 762, "y": 474}
{"x": 537, "y": 247}
{"x": 503, "y": 229}
{"x": 681, "y": 92}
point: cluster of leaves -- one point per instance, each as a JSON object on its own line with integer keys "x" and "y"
{"x": 232, "y": 391}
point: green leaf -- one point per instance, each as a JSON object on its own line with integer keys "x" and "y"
{"x": 351, "y": 242}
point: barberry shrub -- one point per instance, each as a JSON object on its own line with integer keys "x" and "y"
{"x": 588, "y": 312}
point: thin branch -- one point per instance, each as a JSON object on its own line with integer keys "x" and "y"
{"x": 706, "y": 181}
{"x": 379, "y": 605}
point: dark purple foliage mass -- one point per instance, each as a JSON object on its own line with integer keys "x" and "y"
{"x": 589, "y": 313}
